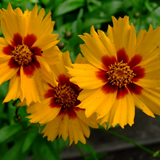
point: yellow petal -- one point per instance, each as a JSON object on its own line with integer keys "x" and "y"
{"x": 140, "y": 38}
{"x": 45, "y": 71}
{"x": 50, "y": 116}
{"x": 6, "y": 72}
{"x": 14, "y": 89}
{"x": 46, "y": 41}
{"x": 43, "y": 112}
{"x": 93, "y": 102}
{"x": 44, "y": 64}
{"x": 38, "y": 24}
{"x": 6, "y": 33}
{"x": 10, "y": 21}
{"x": 39, "y": 83}
{"x": 110, "y": 48}
{"x": 150, "y": 98}
{"x": 21, "y": 22}
{"x": 91, "y": 57}
{"x": 85, "y": 129}
{"x": 142, "y": 106}
{"x": 78, "y": 131}
{"x": 84, "y": 75}
{"x": 94, "y": 46}
{"x": 52, "y": 128}
{"x": 130, "y": 109}
{"x": 122, "y": 112}
{"x": 80, "y": 59}
{"x": 60, "y": 68}
{"x": 110, "y": 33}
{"x": 52, "y": 55}
{"x": 66, "y": 59}
{"x": 34, "y": 108}
{"x": 151, "y": 67}
{"x": 74, "y": 127}
{"x": 106, "y": 105}
{"x": 85, "y": 93}
{"x": 149, "y": 45}
{"x": 64, "y": 127}
{"x": 131, "y": 42}
{"x": 87, "y": 121}
{"x": 123, "y": 35}
{"x": 3, "y": 44}
{"x": 70, "y": 132}
{"x": 30, "y": 93}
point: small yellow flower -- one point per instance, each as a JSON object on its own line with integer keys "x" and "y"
{"x": 123, "y": 73}
{"x": 59, "y": 108}
{"x": 26, "y": 51}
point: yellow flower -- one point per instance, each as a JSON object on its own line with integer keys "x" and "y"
{"x": 26, "y": 51}
{"x": 123, "y": 73}
{"x": 59, "y": 108}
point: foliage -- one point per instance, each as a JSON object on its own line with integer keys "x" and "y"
{"x": 72, "y": 17}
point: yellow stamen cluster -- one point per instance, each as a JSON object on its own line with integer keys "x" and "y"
{"x": 120, "y": 74}
{"x": 22, "y": 54}
{"x": 65, "y": 96}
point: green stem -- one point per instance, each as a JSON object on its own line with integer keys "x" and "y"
{"x": 133, "y": 142}
{"x": 135, "y": 3}
{"x": 159, "y": 118}
{"x": 78, "y": 148}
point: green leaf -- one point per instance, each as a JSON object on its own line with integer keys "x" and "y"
{"x": 36, "y": 149}
{"x": 150, "y": 6}
{"x": 8, "y": 131}
{"x": 11, "y": 112}
{"x": 55, "y": 150}
{"x": 62, "y": 144}
{"x": 47, "y": 152}
{"x": 15, "y": 152}
{"x": 87, "y": 148}
{"x": 3, "y": 115}
{"x": 59, "y": 144}
{"x": 92, "y": 21}
{"x": 68, "y": 6}
{"x": 115, "y": 6}
{"x": 28, "y": 141}
{"x": 112, "y": 7}
{"x": 34, "y": 1}
{"x": 59, "y": 21}
{"x": 3, "y": 89}
{"x": 79, "y": 26}
{"x": 3, "y": 149}
{"x": 45, "y": 2}
{"x": 56, "y": 2}
{"x": 93, "y": 5}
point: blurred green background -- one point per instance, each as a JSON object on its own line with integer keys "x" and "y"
{"x": 72, "y": 17}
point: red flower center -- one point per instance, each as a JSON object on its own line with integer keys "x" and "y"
{"x": 120, "y": 74}
{"x": 22, "y": 54}
{"x": 65, "y": 96}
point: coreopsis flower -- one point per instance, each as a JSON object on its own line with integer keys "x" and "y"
{"x": 26, "y": 51}
{"x": 123, "y": 73}
{"x": 59, "y": 108}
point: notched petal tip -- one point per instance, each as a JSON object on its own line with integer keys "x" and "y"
{"x": 115, "y": 21}
{"x": 150, "y": 28}
{"x": 92, "y": 29}
{"x": 35, "y": 7}
{"x": 9, "y": 7}
{"x": 81, "y": 36}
